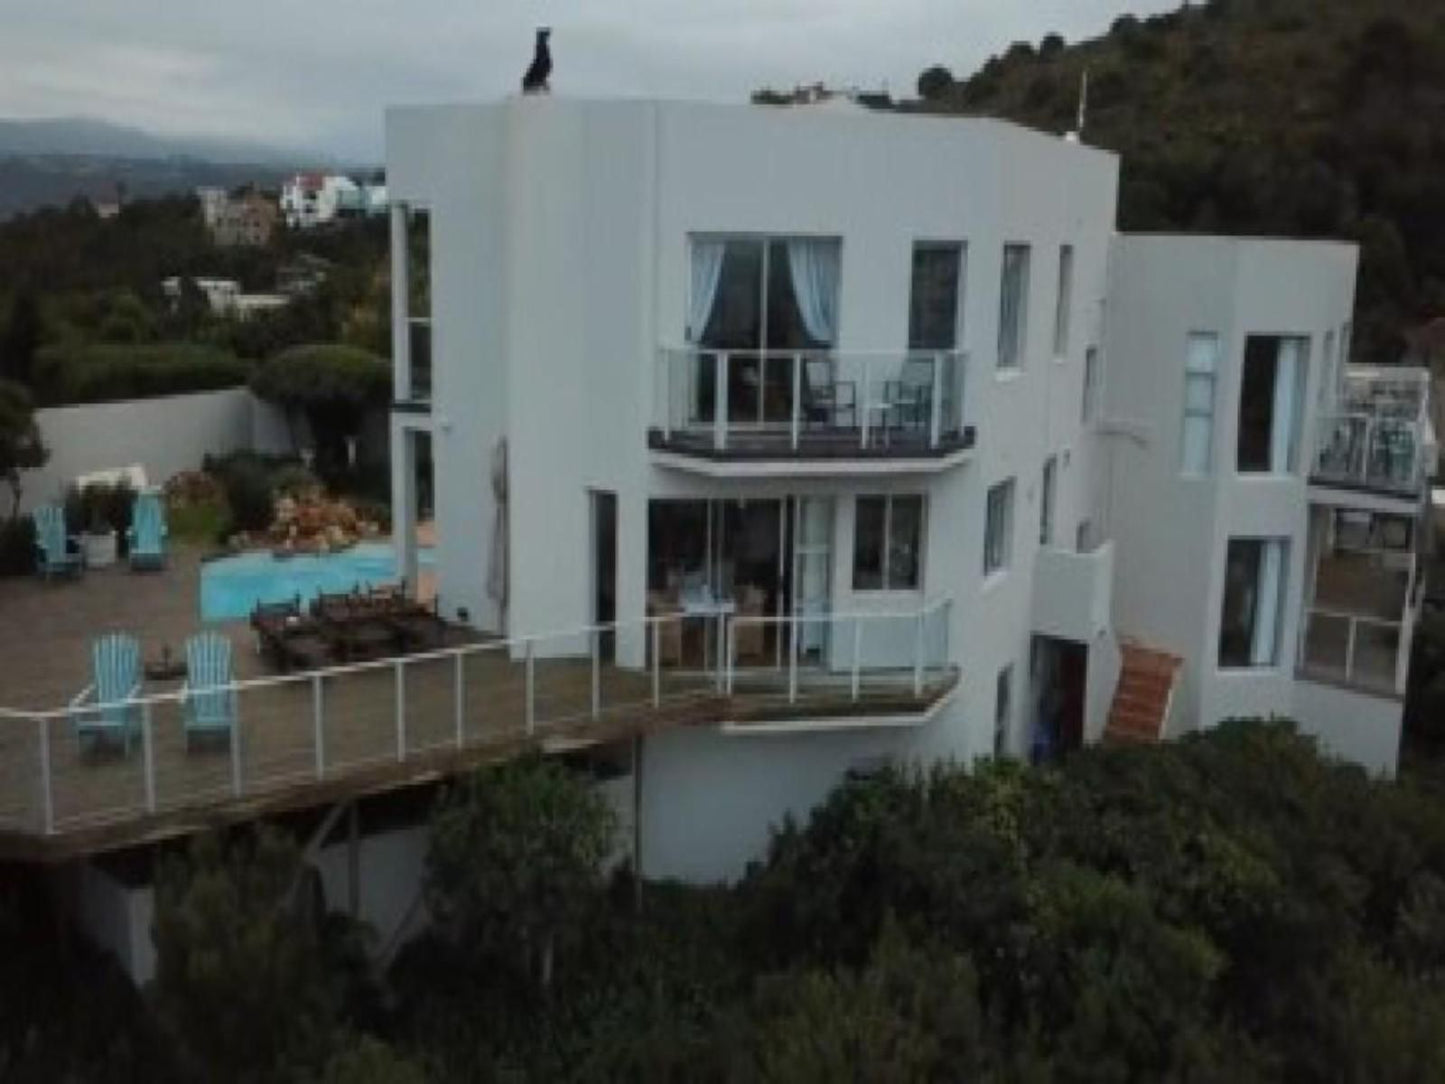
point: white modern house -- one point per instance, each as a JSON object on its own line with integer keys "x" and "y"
{"x": 813, "y": 402}
{"x": 316, "y": 199}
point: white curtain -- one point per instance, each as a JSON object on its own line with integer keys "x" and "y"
{"x": 1267, "y": 603}
{"x": 1288, "y": 367}
{"x": 707, "y": 262}
{"x": 814, "y": 266}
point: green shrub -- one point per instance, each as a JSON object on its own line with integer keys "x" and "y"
{"x": 293, "y": 479}
{"x": 100, "y": 373}
{"x": 249, "y": 495}
{"x": 17, "y": 546}
{"x": 332, "y": 386}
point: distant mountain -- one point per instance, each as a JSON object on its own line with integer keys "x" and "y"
{"x": 28, "y": 182}
{"x": 88, "y": 136}
{"x": 53, "y": 161}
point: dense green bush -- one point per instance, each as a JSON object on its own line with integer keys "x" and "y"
{"x": 249, "y": 495}
{"x": 99, "y": 373}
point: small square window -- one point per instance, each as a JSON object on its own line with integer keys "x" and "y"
{"x": 888, "y": 543}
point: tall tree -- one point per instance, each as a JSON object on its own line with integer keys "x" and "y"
{"x": 21, "y": 339}
{"x": 21, "y": 446}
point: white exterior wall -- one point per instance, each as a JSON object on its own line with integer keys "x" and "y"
{"x": 1352, "y": 725}
{"x": 560, "y": 266}
{"x": 1173, "y": 530}
{"x": 164, "y": 435}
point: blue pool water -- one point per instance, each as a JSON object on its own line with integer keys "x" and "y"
{"x": 231, "y": 586}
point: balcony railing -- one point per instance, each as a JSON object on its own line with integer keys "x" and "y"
{"x": 1354, "y": 649}
{"x": 907, "y": 652}
{"x": 307, "y": 737}
{"x": 767, "y": 403}
{"x": 1379, "y": 435}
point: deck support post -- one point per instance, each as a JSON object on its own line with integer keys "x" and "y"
{"x": 918, "y": 654}
{"x": 793, "y": 660}
{"x": 236, "y": 756}
{"x": 459, "y": 696}
{"x": 857, "y": 655}
{"x": 531, "y": 687}
{"x": 798, "y": 398}
{"x": 399, "y": 668}
{"x": 318, "y": 707}
{"x": 149, "y": 755}
{"x": 595, "y": 644}
{"x": 656, "y": 663}
{"x": 47, "y": 794}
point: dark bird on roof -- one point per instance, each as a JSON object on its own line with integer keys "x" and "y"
{"x": 535, "y": 81}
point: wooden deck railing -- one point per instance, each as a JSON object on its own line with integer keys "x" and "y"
{"x": 387, "y": 722}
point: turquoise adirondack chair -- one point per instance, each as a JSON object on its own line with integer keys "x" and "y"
{"x": 208, "y": 697}
{"x": 107, "y": 709}
{"x": 147, "y": 533}
{"x": 53, "y": 556}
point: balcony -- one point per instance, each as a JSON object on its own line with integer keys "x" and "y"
{"x": 809, "y": 412}
{"x": 302, "y": 740}
{"x": 1378, "y": 438}
{"x": 1358, "y": 628}
{"x": 1072, "y": 592}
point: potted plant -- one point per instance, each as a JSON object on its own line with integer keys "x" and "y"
{"x": 98, "y": 537}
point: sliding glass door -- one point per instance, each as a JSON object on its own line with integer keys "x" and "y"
{"x": 760, "y": 300}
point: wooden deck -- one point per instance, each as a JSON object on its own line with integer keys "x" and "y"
{"x": 311, "y": 739}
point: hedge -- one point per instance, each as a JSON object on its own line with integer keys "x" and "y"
{"x": 102, "y": 372}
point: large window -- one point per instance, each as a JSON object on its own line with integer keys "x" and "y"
{"x": 888, "y": 543}
{"x": 998, "y": 527}
{"x": 1201, "y": 368}
{"x": 755, "y": 296}
{"x": 1090, "y": 408}
{"x": 934, "y": 300}
{"x": 1255, "y": 572}
{"x": 1065, "y": 302}
{"x": 1046, "y": 504}
{"x": 1013, "y": 315}
{"x": 1002, "y": 709}
{"x": 1271, "y": 404}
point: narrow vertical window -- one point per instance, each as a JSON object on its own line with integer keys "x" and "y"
{"x": 998, "y": 527}
{"x": 1013, "y": 306}
{"x": 1046, "y": 503}
{"x": 935, "y": 297}
{"x": 1201, "y": 368}
{"x": 1065, "y": 302}
{"x": 1002, "y": 709}
{"x": 1090, "y": 407}
{"x": 1255, "y": 572}
{"x": 1271, "y": 404}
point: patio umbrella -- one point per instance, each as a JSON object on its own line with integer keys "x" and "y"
{"x": 497, "y": 567}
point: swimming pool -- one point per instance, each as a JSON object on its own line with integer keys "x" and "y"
{"x": 231, "y": 586}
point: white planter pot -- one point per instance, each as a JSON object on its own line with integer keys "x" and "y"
{"x": 99, "y": 549}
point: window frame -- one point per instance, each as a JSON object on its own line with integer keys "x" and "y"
{"x": 1294, "y": 453}
{"x": 995, "y": 564}
{"x": 1093, "y": 373}
{"x": 1276, "y": 659}
{"x": 960, "y": 289}
{"x": 1015, "y": 338}
{"x": 887, "y": 548}
{"x": 1048, "y": 493}
{"x": 1195, "y": 376}
{"x": 1064, "y": 303}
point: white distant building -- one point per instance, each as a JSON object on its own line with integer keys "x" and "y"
{"x": 224, "y": 297}
{"x": 847, "y": 395}
{"x": 316, "y": 199}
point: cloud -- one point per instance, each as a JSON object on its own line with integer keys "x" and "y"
{"x": 319, "y": 74}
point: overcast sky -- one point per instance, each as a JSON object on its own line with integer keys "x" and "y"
{"x": 317, "y": 73}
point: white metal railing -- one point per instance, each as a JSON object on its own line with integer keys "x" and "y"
{"x": 1378, "y": 433}
{"x": 298, "y": 729}
{"x": 849, "y": 653}
{"x": 790, "y": 399}
{"x": 1354, "y": 648}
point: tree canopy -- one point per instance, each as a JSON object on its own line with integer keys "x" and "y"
{"x": 21, "y": 446}
{"x": 1314, "y": 118}
{"x": 331, "y": 385}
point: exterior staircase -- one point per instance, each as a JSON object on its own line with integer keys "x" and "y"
{"x": 1147, "y": 679}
